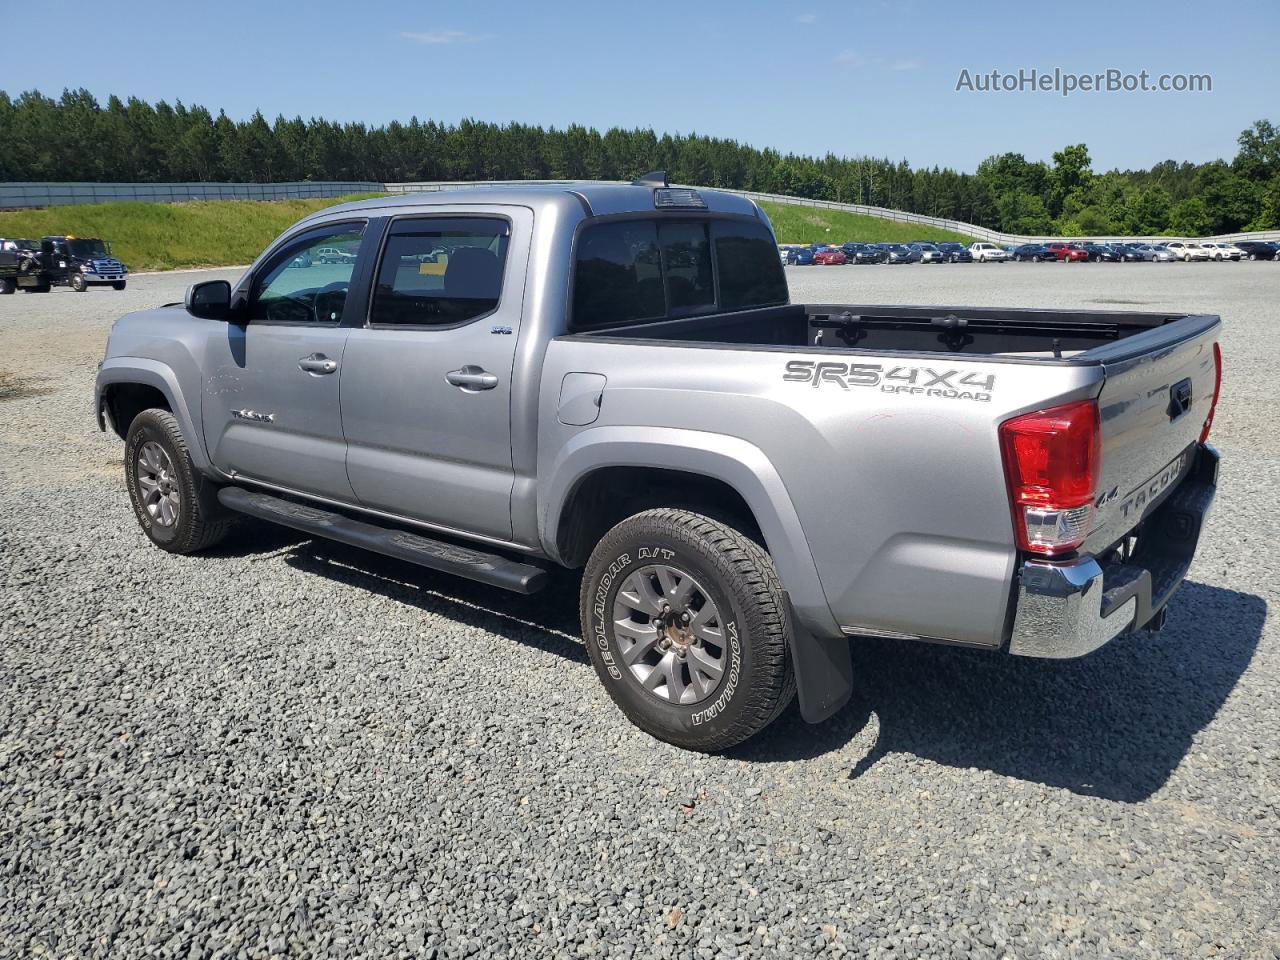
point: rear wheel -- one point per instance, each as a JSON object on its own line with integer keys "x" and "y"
{"x": 176, "y": 507}
{"x": 7, "y": 286}
{"x": 685, "y": 622}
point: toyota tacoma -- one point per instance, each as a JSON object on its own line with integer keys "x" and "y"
{"x": 613, "y": 379}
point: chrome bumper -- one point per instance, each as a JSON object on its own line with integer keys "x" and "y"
{"x": 1071, "y": 608}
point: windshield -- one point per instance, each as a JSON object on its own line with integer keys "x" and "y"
{"x": 87, "y": 248}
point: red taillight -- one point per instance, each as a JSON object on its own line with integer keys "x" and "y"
{"x": 1052, "y": 459}
{"x": 1217, "y": 389}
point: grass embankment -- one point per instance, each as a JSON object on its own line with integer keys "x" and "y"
{"x": 797, "y": 224}
{"x": 166, "y": 236}
{"x": 215, "y": 233}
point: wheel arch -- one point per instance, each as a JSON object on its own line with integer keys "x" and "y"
{"x": 603, "y": 472}
{"x": 128, "y": 385}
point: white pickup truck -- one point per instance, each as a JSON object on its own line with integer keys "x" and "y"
{"x": 614, "y": 379}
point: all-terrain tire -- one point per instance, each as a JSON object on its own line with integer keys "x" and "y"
{"x": 201, "y": 520}
{"x": 757, "y": 682}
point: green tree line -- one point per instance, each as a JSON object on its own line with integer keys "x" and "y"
{"x": 77, "y": 138}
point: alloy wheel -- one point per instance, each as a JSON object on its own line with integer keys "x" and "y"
{"x": 158, "y": 484}
{"x": 670, "y": 634}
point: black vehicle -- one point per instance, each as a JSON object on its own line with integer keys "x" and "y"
{"x": 901, "y": 253}
{"x": 955, "y": 253}
{"x": 863, "y": 253}
{"x": 75, "y": 262}
{"x": 1100, "y": 252}
{"x": 1257, "y": 249}
{"x": 17, "y": 256}
{"x": 1035, "y": 252}
{"x": 1128, "y": 252}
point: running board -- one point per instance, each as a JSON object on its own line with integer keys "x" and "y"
{"x": 437, "y": 555}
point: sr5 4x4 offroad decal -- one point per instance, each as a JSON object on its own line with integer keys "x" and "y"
{"x": 916, "y": 381}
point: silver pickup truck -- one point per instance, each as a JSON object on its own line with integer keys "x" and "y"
{"x": 612, "y": 378}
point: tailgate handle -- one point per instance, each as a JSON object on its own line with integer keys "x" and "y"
{"x": 1179, "y": 398}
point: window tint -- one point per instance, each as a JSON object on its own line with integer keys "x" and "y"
{"x": 686, "y": 264}
{"x": 307, "y": 280}
{"x": 618, "y": 278}
{"x": 438, "y": 271}
{"x": 750, "y": 269}
{"x": 638, "y": 270}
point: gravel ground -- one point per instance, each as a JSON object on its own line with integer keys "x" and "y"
{"x": 294, "y": 748}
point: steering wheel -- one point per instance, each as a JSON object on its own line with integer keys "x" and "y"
{"x": 329, "y": 301}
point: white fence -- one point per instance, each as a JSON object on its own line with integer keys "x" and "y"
{"x": 26, "y": 195}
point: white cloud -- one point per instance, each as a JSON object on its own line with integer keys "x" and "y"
{"x": 851, "y": 58}
{"x": 908, "y": 63}
{"x": 443, "y": 36}
{"x": 807, "y": 18}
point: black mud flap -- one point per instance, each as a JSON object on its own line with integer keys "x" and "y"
{"x": 824, "y": 671}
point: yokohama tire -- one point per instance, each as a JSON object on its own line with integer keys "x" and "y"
{"x": 756, "y": 682}
{"x": 200, "y": 520}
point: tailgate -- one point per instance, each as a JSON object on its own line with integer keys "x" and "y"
{"x": 1158, "y": 391}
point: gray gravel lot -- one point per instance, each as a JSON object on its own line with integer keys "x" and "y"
{"x": 293, "y": 748}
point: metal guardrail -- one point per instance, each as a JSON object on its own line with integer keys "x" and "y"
{"x": 26, "y": 195}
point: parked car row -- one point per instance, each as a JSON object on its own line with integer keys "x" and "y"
{"x": 1061, "y": 251}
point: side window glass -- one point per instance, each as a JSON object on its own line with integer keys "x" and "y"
{"x": 438, "y": 271}
{"x": 307, "y": 280}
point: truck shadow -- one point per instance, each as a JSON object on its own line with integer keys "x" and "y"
{"x": 548, "y": 620}
{"x": 1114, "y": 724}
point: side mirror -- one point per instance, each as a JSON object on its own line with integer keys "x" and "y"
{"x": 210, "y": 300}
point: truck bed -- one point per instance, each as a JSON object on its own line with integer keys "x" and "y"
{"x": 882, "y": 423}
{"x": 987, "y": 332}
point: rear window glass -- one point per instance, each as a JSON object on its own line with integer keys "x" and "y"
{"x": 633, "y": 271}
{"x": 619, "y": 274}
{"x": 750, "y": 269}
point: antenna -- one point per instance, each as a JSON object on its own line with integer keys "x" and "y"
{"x": 655, "y": 178}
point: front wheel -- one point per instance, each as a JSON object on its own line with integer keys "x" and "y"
{"x": 685, "y": 622}
{"x": 78, "y": 284}
{"x": 118, "y": 285}
{"x": 176, "y": 507}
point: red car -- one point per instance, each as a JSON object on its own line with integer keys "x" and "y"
{"x": 830, "y": 256}
{"x": 1066, "y": 252}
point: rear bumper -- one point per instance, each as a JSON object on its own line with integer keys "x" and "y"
{"x": 1070, "y": 608}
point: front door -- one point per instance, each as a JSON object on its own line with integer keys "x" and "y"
{"x": 270, "y": 405}
{"x": 426, "y": 382}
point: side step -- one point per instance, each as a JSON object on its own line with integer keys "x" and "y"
{"x": 435, "y": 554}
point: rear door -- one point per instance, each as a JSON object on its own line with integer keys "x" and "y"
{"x": 270, "y": 404}
{"x": 426, "y": 382}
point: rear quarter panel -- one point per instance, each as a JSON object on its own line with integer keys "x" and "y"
{"x": 890, "y": 464}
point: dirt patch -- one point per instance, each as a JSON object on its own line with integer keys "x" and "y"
{"x": 15, "y": 387}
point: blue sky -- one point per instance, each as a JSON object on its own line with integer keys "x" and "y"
{"x": 848, "y": 77}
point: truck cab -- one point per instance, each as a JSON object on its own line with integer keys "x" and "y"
{"x": 78, "y": 263}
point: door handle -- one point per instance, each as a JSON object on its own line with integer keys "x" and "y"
{"x": 317, "y": 364}
{"x": 472, "y": 378}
